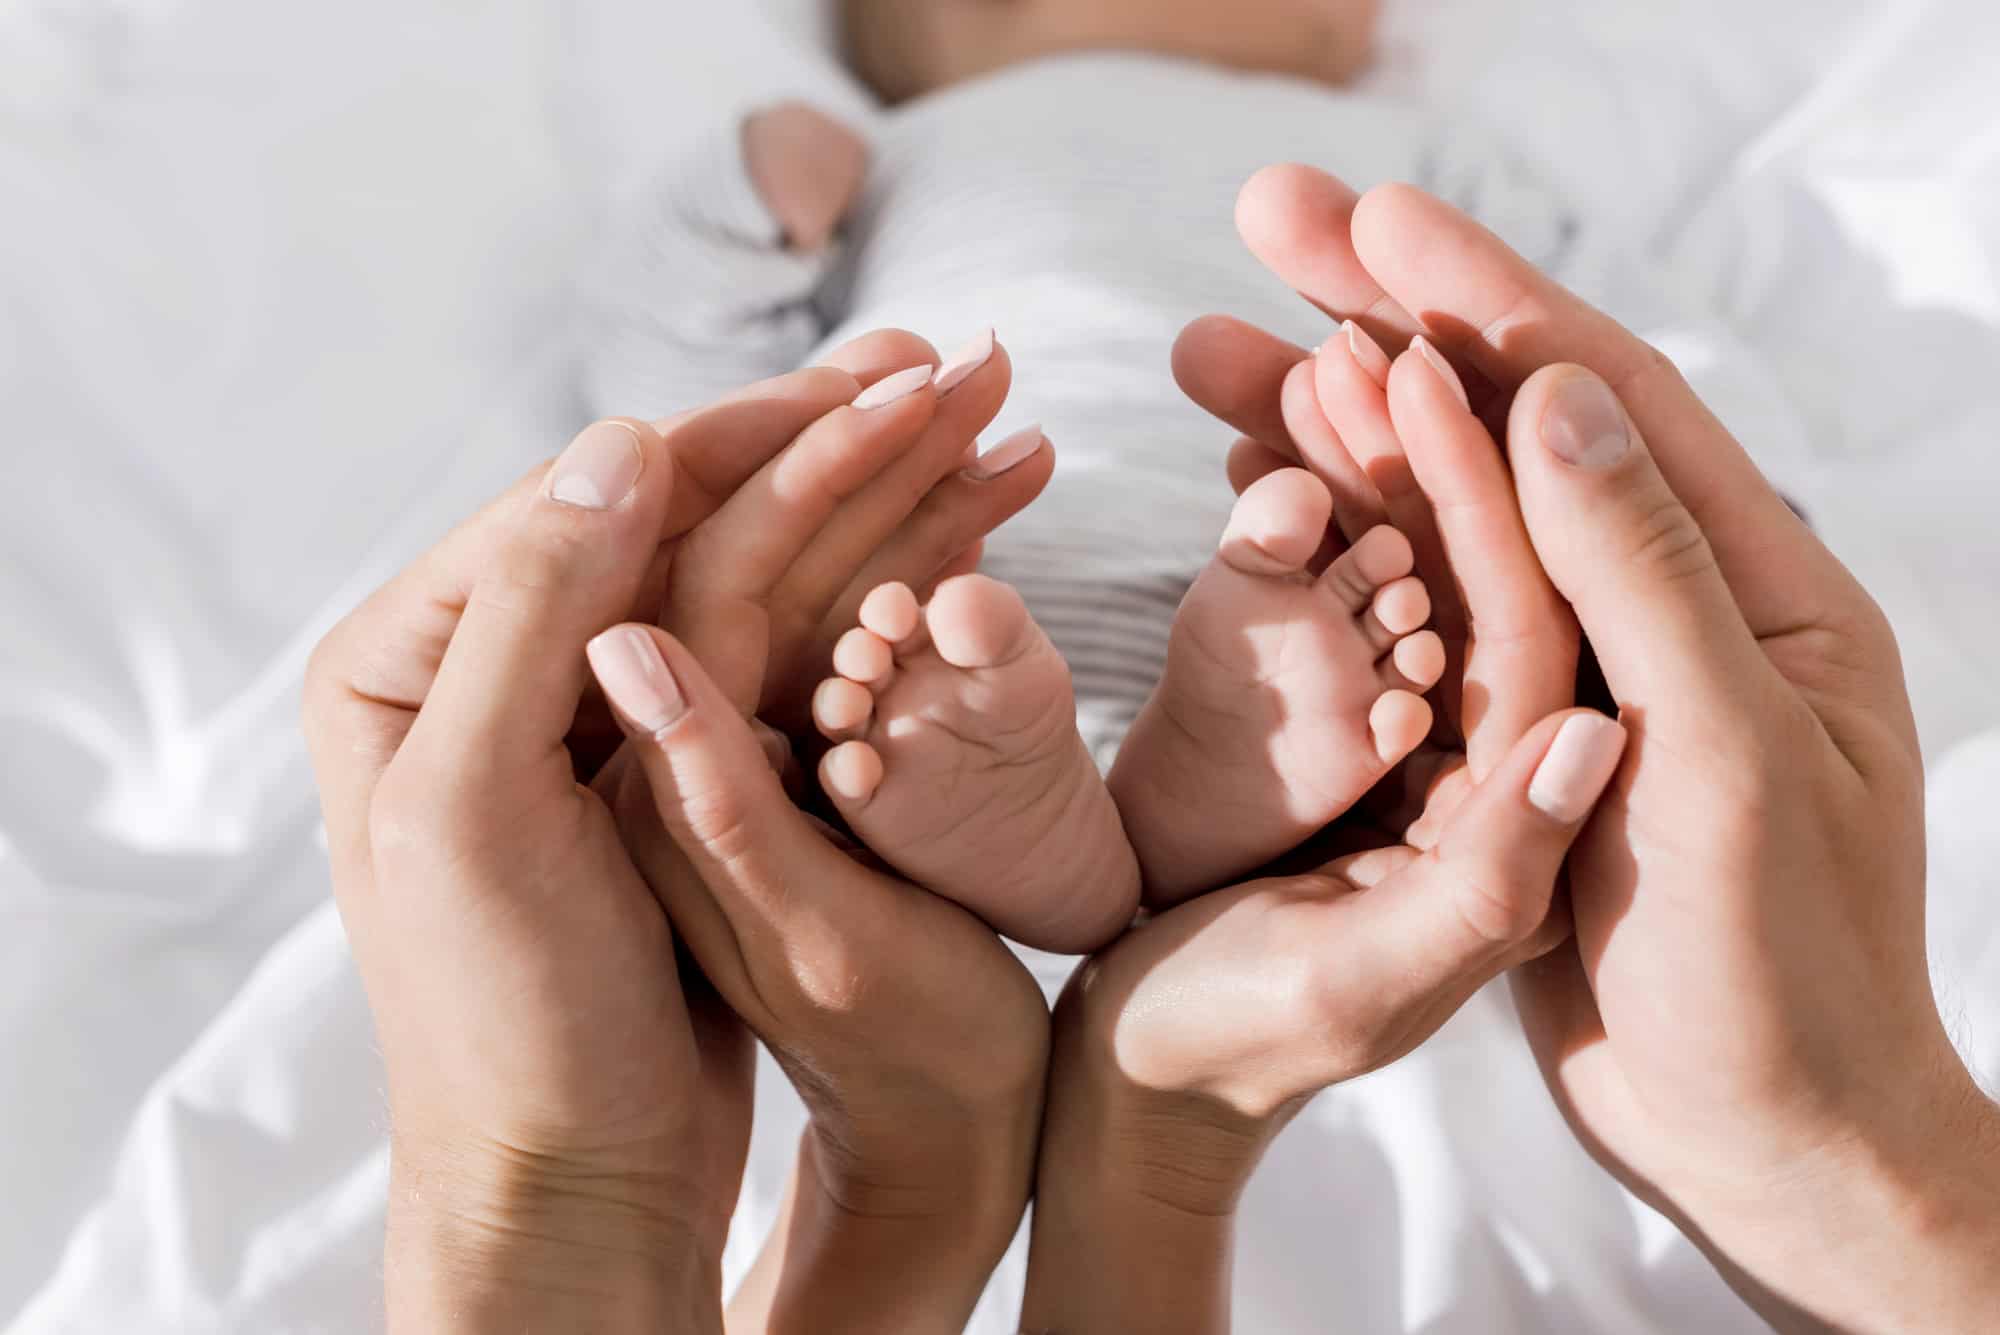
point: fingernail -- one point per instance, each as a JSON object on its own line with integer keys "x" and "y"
{"x": 1443, "y": 368}
{"x": 598, "y": 468}
{"x": 636, "y": 679}
{"x": 1367, "y": 352}
{"x": 958, "y": 368}
{"x": 898, "y": 386}
{"x": 1584, "y": 425}
{"x": 777, "y": 751}
{"x": 1009, "y": 454}
{"x": 1580, "y": 762}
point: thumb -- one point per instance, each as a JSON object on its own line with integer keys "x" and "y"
{"x": 1629, "y": 557}
{"x": 1422, "y": 939}
{"x": 737, "y": 852}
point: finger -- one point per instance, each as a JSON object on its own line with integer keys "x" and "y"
{"x": 568, "y": 564}
{"x": 1624, "y": 551}
{"x": 966, "y": 562}
{"x": 945, "y": 533}
{"x": 1353, "y": 399}
{"x": 1295, "y": 220}
{"x": 1250, "y": 460}
{"x": 879, "y": 354}
{"x": 1489, "y": 308}
{"x": 371, "y": 674}
{"x": 738, "y": 869}
{"x": 1521, "y": 665}
{"x": 1236, "y": 372}
{"x": 1425, "y": 936}
{"x": 981, "y": 377}
{"x": 1357, "y": 505}
{"x": 719, "y": 447}
{"x": 762, "y": 531}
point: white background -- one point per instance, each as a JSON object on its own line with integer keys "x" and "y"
{"x": 285, "y": 288}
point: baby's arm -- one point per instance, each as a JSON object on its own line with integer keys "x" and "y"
{"x": 711, "y": 285}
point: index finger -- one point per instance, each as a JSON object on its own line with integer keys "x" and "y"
{"x": 1496, "y": 311}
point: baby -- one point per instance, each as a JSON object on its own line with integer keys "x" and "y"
{"x": 1065, "y": 170}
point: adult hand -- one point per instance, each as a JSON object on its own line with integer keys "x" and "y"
{"x": 1184, "y": 1047}
{"x": 571, "y": 1147}
{"x": 1187, "y": 1045}
{"x": 1743, "y": 1029}
{"x": 915, "y": 1037}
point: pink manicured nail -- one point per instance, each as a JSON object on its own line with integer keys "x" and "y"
{"x": 898, "y": 386}
{"x": 1009, "y": 454}
{"x": 958, "y": 368}
{"x": 597, "y": 469}
{"x": 636, "y": 678}
{"x": 1368, "y": 354}
{"x": 1583, "y": 425}
{"x": 1443, "y": 368}
{"x": 1579, "y": 763}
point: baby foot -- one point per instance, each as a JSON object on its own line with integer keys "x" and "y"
{"x": 959, "y": 763}
{"x": 1287, "y": 696}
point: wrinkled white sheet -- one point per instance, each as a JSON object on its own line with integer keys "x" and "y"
{"x": 285, "y": 291}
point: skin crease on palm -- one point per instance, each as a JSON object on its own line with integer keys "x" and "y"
{"x": 906, "y": 48}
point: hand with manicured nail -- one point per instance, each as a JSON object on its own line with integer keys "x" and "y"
{"x": 569, "y": 1111}
{"x": 1743, "y": 1029}
{"x": 916, "y": 1038}
{"x": 921, "y": 1067}
{"x": 1184, "y": 1047}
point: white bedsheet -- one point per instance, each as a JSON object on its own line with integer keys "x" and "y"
{"x": 285, "y": 290}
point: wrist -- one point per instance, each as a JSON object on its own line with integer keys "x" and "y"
{"x": 1891, "y": 1227}
{"x": 903, "y": 1245}
{"x": 486, "y": 1237}
{"x": 1135, "y": 1197}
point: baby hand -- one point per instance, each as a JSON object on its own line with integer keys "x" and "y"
{"x": 807, "y": 168}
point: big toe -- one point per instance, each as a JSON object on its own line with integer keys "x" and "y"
{"x": 1278, "y": 524}
{"x": 977, "y": 622}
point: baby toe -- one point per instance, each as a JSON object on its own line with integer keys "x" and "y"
{"x": 1415, "y": 664}
{"x": 891, "y": 611}
{"x": 841, "y": 707}
{"x": 851, "y": 773}
{"x": 1401, "y": 607}
{"x": 863, "y": 656}
{"x": 978, "y": 622}
{"x": 1396, "y": 723}
{"x": 1380, "y": 557}
{"x": 1278, "y": 524}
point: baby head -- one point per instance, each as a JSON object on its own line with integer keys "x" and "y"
{"x": 905, "y": 48}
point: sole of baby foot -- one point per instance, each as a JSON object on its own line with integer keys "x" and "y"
{"x": 958, "y": 762}
{"x": 1287, "y": 695}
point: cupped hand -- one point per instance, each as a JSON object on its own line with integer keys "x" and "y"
{"x": 1743, "y": 1029}
{"x": 1184, "y": 1047}
{"x": 915, "y": 1037}
{"x": 546, "y": 1077}
{"x": 563, "y": 1108}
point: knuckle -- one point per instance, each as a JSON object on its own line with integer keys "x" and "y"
{"x": 1664, "y": 540}
{"x": 1494, "y": 908}
{"x": 545, "y": 560}
{"x": 321, "y": 689}
{"x": 410, "y": 818}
